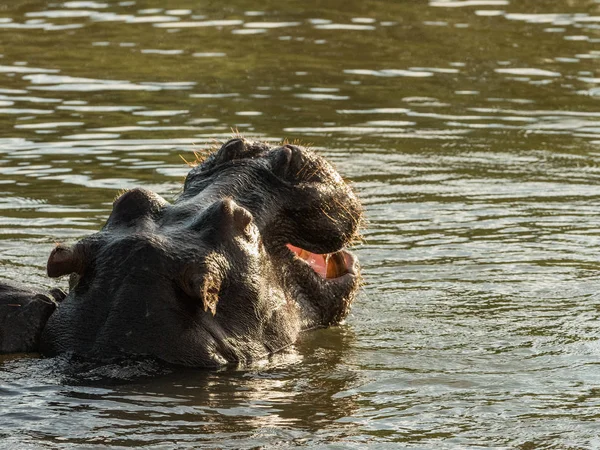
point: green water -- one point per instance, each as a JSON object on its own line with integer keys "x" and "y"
{"x": 470, "y": 129}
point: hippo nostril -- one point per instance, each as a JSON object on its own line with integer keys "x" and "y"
{"x": 234, "y": 143}
{"x": 232, "y": 149}
{"x": 281, "y": 160}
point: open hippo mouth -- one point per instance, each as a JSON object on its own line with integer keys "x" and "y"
{"x": 251, "y": 253}
{"x": 328, "y": 265}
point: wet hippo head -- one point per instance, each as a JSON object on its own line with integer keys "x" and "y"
{"x": 250, "y": 254}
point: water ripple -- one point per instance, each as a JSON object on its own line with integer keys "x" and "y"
{"x": 201, "y": 24}
{"x": 469, "y": 128}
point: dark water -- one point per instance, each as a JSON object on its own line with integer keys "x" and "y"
{"x": 471, "y": 130}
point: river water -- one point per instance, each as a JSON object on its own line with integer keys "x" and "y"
{"x": 470, "y": 129}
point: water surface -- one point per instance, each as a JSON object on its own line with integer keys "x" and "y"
{"x": 470, "y": 129}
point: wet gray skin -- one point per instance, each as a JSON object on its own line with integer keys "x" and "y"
{"x": 23, "y": 315}
{"x": 249, "y": 255}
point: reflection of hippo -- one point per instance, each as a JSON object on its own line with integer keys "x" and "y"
{"x": 250, "y": 254}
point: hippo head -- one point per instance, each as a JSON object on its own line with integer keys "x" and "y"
{"x": 250, "y": 254}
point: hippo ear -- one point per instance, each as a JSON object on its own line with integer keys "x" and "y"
{"x": 205, "y": 286}
{"x": 66, "y": 260}
{"x": 210, "y": 293}
{"x": 225, "y": 217}
{"x": 234, "y": 216}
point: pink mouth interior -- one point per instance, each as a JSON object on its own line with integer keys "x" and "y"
{"x": 329, "y": 265}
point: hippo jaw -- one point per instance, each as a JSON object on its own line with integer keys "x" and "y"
{"x": 250, "y": 254}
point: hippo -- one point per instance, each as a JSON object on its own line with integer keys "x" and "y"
{"x": 249, "y": 255}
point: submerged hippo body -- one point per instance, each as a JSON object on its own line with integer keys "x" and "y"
{"x": 23, "y": 315}
{"x": 249, "y": 255}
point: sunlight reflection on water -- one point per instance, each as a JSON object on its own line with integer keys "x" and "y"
{"x": 471, "y": 131}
